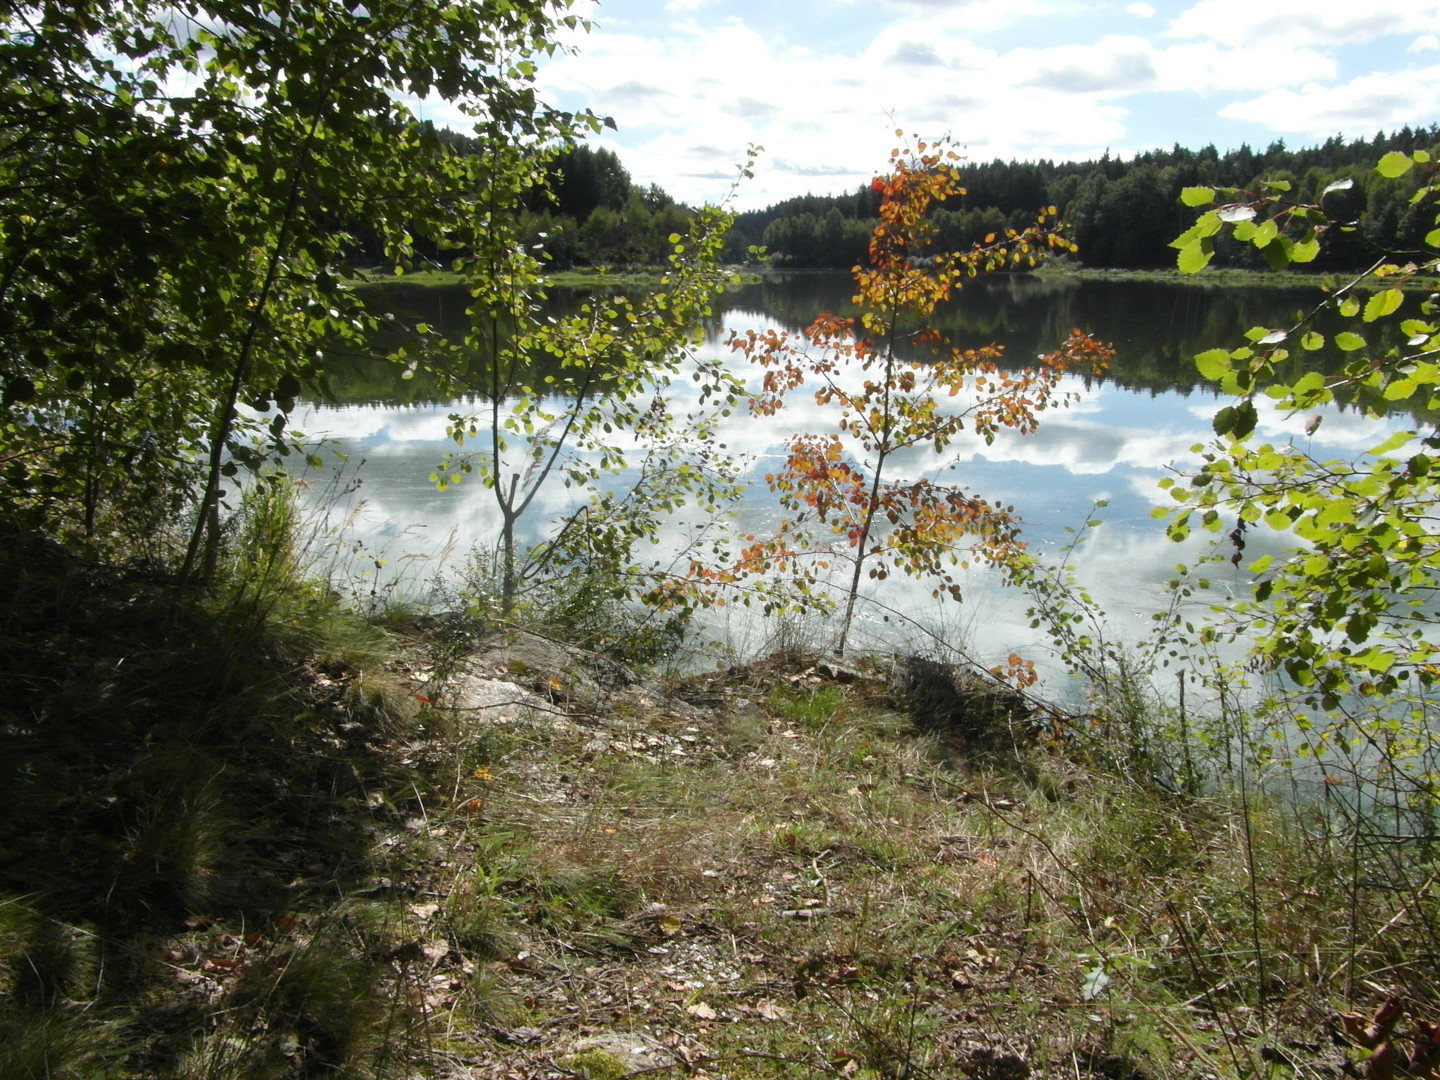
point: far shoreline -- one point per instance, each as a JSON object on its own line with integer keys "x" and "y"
{"x": 1211, "y": 277}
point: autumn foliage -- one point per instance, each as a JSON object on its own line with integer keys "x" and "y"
{"x": 896, "y": 385}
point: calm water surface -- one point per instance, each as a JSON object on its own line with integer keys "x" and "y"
{"x": 1113, "y": 443}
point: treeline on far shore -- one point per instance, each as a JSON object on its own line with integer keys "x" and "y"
{"x": 1122, "y": 214}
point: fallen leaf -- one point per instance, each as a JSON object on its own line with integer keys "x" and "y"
{"x": 769, "y": 1010}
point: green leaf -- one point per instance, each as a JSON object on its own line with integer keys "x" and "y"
{"x": 1305, "y": 250}
{"x": 1195, "y": 256}
{"x": 1205, "y": 225}
{"x": 1245, "y": 419}
{"x": 1358, "y": 626}
{"x": 1399, "y": 389}
{"x": 1382, "y": 304}
{"x": 1213, "y": 363}
{"x": 1348, "y": 342}
{"x": 1374, "y": 658}
{"x": 1308, "y": 385}
{"x": 1276, "y": 252}
{"x": 1394, "y": 442}
{"x": 1264, "y": 234}
{"x": 1394, "y": 164}
{"x": 1197, "y": 196}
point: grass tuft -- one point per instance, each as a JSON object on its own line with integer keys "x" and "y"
{"x": 247, "y": 835}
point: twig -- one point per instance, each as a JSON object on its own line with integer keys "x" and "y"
{"x": 1222, "y": 1016}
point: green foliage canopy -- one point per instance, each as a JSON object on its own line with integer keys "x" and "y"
{"x": 617, "y": 358}
{"x": 1350, "y": 607}
{"x": 180, "y": 187}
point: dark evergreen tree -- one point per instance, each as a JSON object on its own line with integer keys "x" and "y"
{"x": 1124, "y": 213}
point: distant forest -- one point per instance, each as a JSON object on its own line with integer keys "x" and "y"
{"x": 1123, "y": 214}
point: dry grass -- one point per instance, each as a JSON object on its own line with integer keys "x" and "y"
{"x": 800, "y": 882}
{"x": 302, "y": 857}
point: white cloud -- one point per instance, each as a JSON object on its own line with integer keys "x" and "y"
{"x": 1341, "y": 432}
{"x": 1370, "y": 102}
{"x": 375, "y": 425}
{"x": 825, "y": 121}
{"x": 1112, "y": 65}
{"x": 1303, "y": 22}
{"x": 978, "y": 16}
{"x": 1205, "y": 67}
{"x": 691, "y": 95}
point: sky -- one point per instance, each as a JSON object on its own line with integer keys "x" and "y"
{"x": 822, "y": 85}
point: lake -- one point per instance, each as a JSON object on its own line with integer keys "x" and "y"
{"x": 1120, "y": 435}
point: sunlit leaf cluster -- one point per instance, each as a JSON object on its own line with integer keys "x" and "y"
{"x": 1349, "y": 607}
{"x": 894, "y": 384}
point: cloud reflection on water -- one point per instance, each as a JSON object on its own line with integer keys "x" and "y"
{"x": 1110, "y": 443}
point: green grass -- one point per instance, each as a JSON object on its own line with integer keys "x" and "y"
{"x": 238, "y": 845}
{"x": 189, "y": 776}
